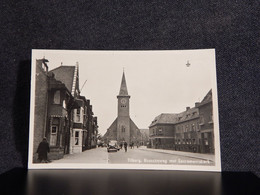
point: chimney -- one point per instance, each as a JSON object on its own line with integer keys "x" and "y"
{"x": 43, "y": 64}
{"x": 197, "y": 104}
{"x": 187, "y": 108}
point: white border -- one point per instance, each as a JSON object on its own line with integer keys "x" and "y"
{"x": 214, "y": 168}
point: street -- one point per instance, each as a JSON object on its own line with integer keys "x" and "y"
{"x": 136, "y": 155}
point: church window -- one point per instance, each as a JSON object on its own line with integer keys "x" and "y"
{"x": 123, "y": 129}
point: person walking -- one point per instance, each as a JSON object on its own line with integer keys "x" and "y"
{"x": 43, "y": 150}
{"x": 125, "y": 146}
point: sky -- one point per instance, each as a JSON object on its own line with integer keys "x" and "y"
{"x": 157, "y": 81}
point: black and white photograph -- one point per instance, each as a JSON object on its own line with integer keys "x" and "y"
{"x": 120, "y": 109}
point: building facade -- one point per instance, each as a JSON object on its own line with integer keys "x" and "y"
{"x": 161, "y": 131}
{"x": 206, "y": 123}
{"x": 40, "y": 104}
{"x": 144, "y": 137}
{"x": 61, "y": 114}
{"x": 189, "y": 131}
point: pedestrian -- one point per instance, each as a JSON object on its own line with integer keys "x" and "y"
{"x": 125, "y": 146}
{"x": 43, "y": 150}
{"x": 121, "y": 145}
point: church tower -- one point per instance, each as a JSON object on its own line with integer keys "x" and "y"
{"x": 123, "y": 116}
{"x": 123, "y": 128}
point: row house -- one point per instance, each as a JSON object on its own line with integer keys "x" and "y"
{"x": 187, "y": 136}
{"x": 90, "y": 137}
{"x": 60, "y": 111}
{"x": 206, "y": 123}
{"x": 190, "y": 131}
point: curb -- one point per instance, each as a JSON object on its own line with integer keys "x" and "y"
{"x": 201, "y": 158}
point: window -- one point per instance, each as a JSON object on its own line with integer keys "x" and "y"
{"x": 187, "y": 127}
{"x": 78, "y": 115}
{"x": 198, "y": 126}
{"x": 76, "y": 138}
{"x": 211, "y": 118}
{"x": 56, "y": 98}
{"x": 193, "y": 127}
{"x": 206, "y": 142}
{"x": 201, "y": 120}
{"x": 123, "y": 129}
{"x": 53, "y": 140}
{"x": 78, "y": 110}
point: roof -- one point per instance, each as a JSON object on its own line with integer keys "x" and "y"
{"x": 165, "y": 118}
{"x": 206, "y": 99}
{"x": 55, "y": 84}
{"x": 123, "y": 88}
{"x": 189, "y": 114}
{"x": 65, "y": 74}
{"x": 168, "y": 118}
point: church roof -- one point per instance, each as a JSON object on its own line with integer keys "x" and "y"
{"x": 123, "y": 89}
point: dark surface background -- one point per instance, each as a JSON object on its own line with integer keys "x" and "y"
{"x": 231, "y": 27}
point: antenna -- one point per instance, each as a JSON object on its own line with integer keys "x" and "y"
{"x": 83, "y": 84}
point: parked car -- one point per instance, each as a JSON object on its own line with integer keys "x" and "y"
{"x": 112, "y": 146}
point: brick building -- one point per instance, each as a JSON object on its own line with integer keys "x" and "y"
{"x": 190, "y": 131}
{"x": 187, "y": 135}
{"x": 40, "y": 104}
{"x": 206, "y": 124}
{"x": 61, "y": 114}
{"x": 161, "y": 131}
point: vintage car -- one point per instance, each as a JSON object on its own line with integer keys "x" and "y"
{"x": 112, "y": 146}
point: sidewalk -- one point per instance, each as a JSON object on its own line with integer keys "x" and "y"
{"x": 94, "y": 155}
{"x": 210, "y": 157}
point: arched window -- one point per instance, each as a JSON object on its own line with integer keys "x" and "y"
{"x": 123, "y": 129}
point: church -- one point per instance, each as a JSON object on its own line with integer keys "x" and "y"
{"x": 123, "y": 129}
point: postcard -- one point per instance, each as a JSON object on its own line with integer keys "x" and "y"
{"x": 154, "y": 110}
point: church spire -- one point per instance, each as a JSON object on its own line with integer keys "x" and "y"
{"x": 123, "y": 88}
